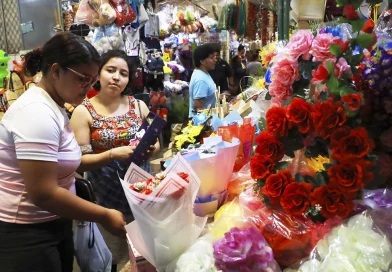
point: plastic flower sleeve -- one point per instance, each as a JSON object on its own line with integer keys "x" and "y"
{"x": 164, "y": 225}
{"x": 358, "y": 245}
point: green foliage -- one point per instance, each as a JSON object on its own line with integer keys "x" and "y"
{"x": 335, "y": 50}
{"x": 262, "y": 124}
{"x": 282, "y": 166}
{"x": 333, "y": 84}
{"x": 358, "y": 24}
{"x": 365, "y": 40}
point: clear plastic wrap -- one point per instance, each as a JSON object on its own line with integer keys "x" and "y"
{"x": 384, "y": 23}
{"x": 240, "y": 181}
{"x": 95, "y": 13}
{"x": 358, "y": 245}
{"x": 106, "y": 38}
{"x": 165, "y": 225}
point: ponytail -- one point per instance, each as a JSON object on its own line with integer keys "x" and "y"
{"x": 33, "y": 62}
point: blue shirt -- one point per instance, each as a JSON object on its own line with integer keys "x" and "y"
{"x": 201, "y": 87}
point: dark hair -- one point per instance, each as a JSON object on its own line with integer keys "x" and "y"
{"x": 203, "y": 52}
{"x": 255, "y": 56}
{"x": 106, "y": 57}
{"x": 218, "y": 47}
{"x": 241, "y": 47}
{"x": 65, "y": 49}
{"x": 234, "y": 60}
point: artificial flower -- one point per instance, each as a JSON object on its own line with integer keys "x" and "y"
{"x": 267, "y": 53}
{"x": 244, "y": 250}
{"x": 261, "y": 167}
{"x": 299, "y": 113}
{"x": 328, "y": 116}
{"x": 285, "y": 70}
{"x": 317, "y": 164}
{"x": 321, "y": 46}
{"x": 351, "y": 175}
{"x": 277, "y": 122}
{"x": 296, "y": 198}
{"x": 369, "y": 26}
{"x": 349, "y": 143}
{"x": 300, "y": 44}
{"x": 270, "y": 146}
{"x": 333, "y": 201}
{"x": 280, "y": 91}
{"x": 342, "y": 69}
{"x": 343, "y": 45}
{"x": 276, "y": 185}
{"x": 320, "y": 75}
{"x": 353, "y": 101}
{"x": 350, "y": 12}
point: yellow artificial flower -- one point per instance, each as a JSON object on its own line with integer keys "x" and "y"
{"x": 317, "y": 164}
{"x": 260, "y": 83}
{"x": 167, "y": 70}
{"x": 267, "y": 53}
{"x": 189, "y": 134}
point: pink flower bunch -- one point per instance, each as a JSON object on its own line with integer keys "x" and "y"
{"x": 321, "y": 46}
{"x": 300, "y": 44}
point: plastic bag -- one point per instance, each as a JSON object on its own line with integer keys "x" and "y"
{"x": 91, "y": 251}
{"x": 124, "y": 12}
{"x": 384, "y": 24}
{"x": 238, "y": 243}
{"x": 106, "y": 38}
{"x": 355, "y": 246}
{"x": 165, "y": 225}
{"x": 95, "y": 13}
{"x": 240, "y": 181}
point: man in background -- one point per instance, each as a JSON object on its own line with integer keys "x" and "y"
{"x": 202, "y": 87}
{"x": 222, "y": 74}
{"x": 255, "y": 66}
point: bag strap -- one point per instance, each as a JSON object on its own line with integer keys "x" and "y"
{"x": 140, "y": 109}
{"x": 91, "y": 237}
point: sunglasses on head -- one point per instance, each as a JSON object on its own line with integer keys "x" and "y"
{"x": 87, "y": 80}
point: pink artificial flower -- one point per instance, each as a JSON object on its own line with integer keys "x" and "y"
{"x": 279, "y": 91}
{"x": 342, "y": 68}
{"x": 321, "y": 47}
{"x": 285, "y": 70}
{"x": 300, "y": 44}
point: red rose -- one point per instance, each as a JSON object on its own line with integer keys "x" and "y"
{"x": 327, "y": 116}
{"x": 277, "y": 122}
{"x": 261, "y": 166}
{"x": 276, "y": 184}
{"x": 299, "y": 112}
{"x": 343, "y": 45}
{"x": 353, "y": 101}
{"x": 351, "y": 175}
{"x": 296, "y": 198}
{"x": 333, "y": 201}
{"x": 349, "y": 143}
{"x": 319, "y": 75}
{"x": 269, "y": 146}
{"x": 350, "y": 12}
{"x": 368, "y": 27}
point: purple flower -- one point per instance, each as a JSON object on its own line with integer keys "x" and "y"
{"x": 245, "y": 251}
{"x": 379, "y": 198}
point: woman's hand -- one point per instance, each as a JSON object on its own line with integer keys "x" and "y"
{"x": 122, "y": 153}
{"x": 150, "y": 151}
{"x": 114, "y": 222}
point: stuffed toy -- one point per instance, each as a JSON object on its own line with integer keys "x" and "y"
{"x": 104, "y": 12}
{"x": 4, "y": 58}
{"x": 124, "y": 13}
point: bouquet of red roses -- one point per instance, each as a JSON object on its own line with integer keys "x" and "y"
{"x": 165, "y": 225}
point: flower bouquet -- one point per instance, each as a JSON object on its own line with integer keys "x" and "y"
{"x": 165, "y": 225}
{"x": 355, "y": 246}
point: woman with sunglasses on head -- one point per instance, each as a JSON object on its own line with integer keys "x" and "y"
{"x": 39, "y": 156}
{"x": 104, "y": 127}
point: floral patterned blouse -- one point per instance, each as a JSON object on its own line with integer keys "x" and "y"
{"x": 108, "y": 132}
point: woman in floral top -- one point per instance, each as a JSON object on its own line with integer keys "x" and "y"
{"x": 104, "y": 126}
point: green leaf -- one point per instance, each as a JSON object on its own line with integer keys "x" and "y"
{"x": 327, "y": 166}
{"x": 335, "y": 50}
{"x": 268, "y": 96}
{"x": 365, "y": 40}
{"x": 309, "y": 179}
{"x": 262, "y": 124}
{"x": 324, "y": 96}
{"x": 374, "y": 2}
{"x": 356, "y": 59}
{"x": 299, "y": 177}
{"x": 358, "y": 25}
{"x": 345, "y": 90}
{"x": 282, "y": 166}
{"x": 287, "y": 102}
{"x": 342, "y": 3}
{"x": 320, "y": 180}
{"x": 342, "y": 20}
{"x": 333, "y": 85}
{"x": 356, "y": 3}
{"x": 330, "y": 67}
